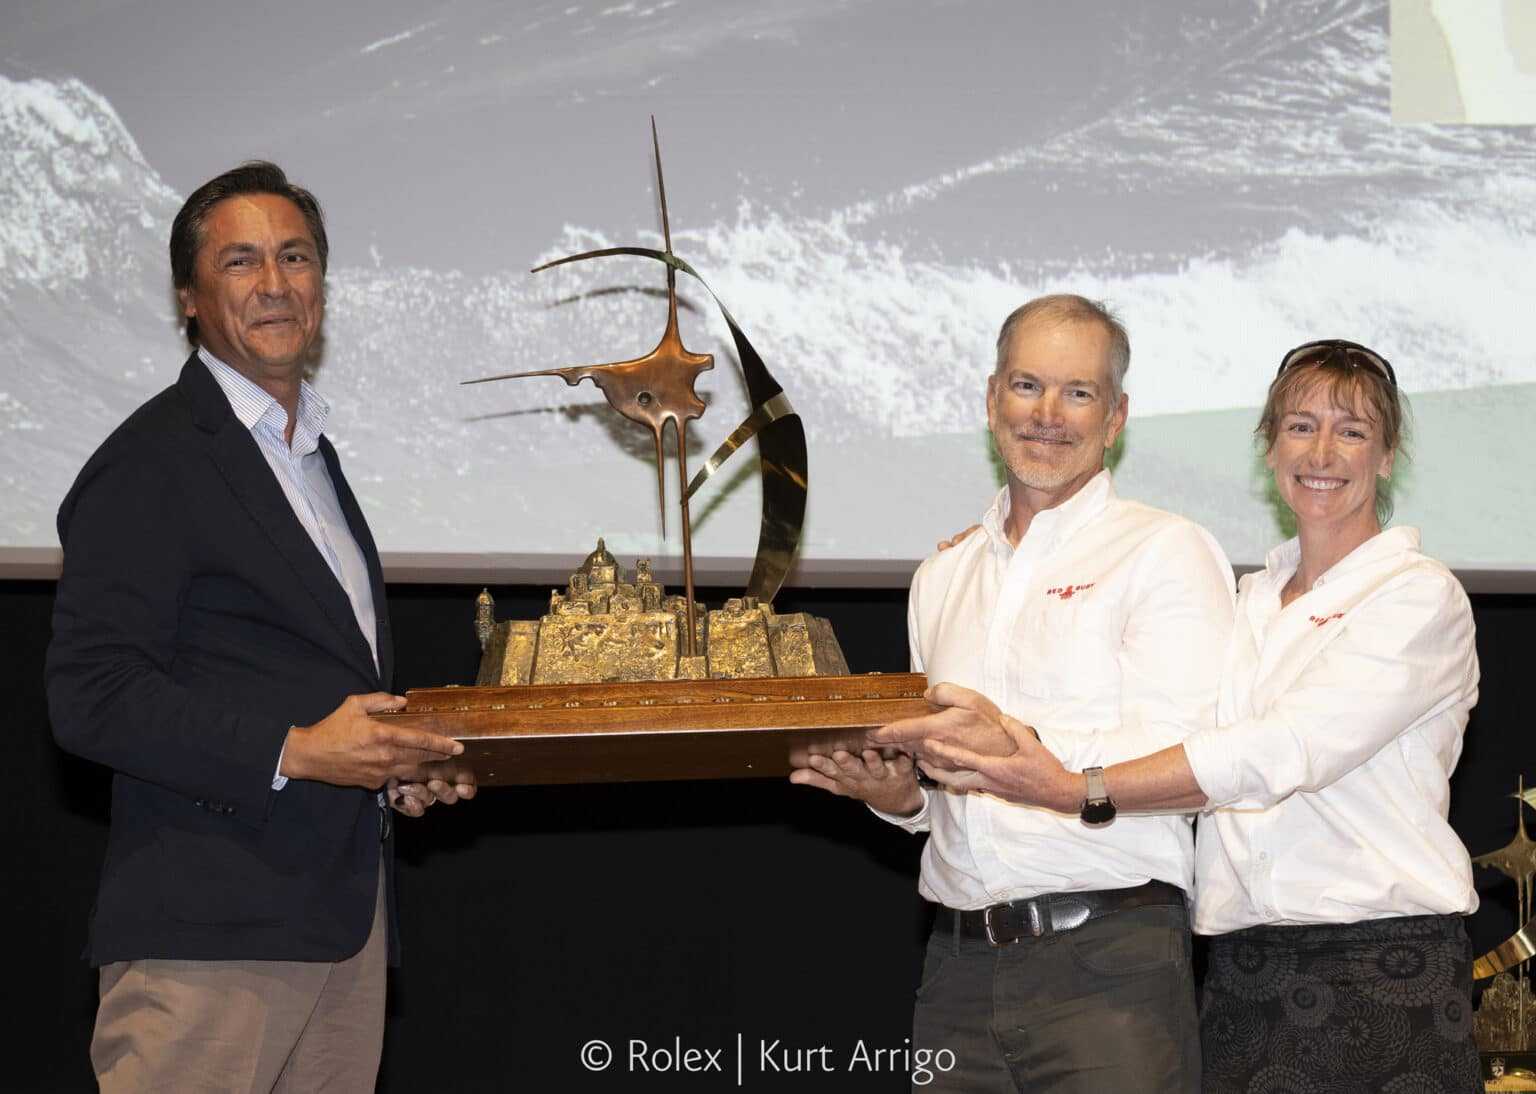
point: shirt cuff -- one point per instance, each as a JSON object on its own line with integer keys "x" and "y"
{"x": 280, "y": 781}
{"x": 1210, "y": 758}
{"x": 917, "y": 822}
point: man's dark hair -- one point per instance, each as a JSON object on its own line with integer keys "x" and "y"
{"x": 253, "y": 177}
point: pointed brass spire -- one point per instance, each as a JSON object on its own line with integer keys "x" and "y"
{"x": 652, "y": 391}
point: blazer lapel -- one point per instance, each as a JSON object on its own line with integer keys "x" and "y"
{"x": 364, "y": 538}
{"x": 251, "y": 481}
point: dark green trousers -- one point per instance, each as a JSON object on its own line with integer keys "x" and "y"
{"x": 1107, "y": 1007}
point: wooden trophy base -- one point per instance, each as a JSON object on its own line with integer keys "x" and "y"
{"x": 667, "y": 729}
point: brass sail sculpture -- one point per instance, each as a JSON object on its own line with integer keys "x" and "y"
{"x": 622, "y": 681}
{"x": 658, "y": 388}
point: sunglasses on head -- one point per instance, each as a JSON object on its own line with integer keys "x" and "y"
{"x": 1326, "y": 350}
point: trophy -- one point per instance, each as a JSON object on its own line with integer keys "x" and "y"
{"x": 621, "y": 681}
{"x": 1504, "y": 1024}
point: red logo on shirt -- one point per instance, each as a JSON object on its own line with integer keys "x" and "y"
{"x": 1321, "y": 619}
{"x": 1067, "y": 592}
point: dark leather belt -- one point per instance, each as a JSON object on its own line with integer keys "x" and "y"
{"x": 1054, "y": 913}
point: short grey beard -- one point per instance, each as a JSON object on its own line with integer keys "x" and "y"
{"x": 1034, "y": 480}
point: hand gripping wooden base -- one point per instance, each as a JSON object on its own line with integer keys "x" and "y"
{"x": 667, "y": 729}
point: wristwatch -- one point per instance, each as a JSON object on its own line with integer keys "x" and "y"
{"x": 1098, "y": 808}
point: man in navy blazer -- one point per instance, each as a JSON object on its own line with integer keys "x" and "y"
{"x": 220, "y": 641}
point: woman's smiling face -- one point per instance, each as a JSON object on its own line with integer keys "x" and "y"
{"x": 1327, "y": 455}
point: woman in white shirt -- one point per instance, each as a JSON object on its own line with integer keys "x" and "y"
{"x": 1325, "y": 868}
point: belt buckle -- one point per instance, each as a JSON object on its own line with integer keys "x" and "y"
{"x": 1036, "y": 923}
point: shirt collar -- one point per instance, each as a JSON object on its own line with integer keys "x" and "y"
{"x": 255, "y": 408}
{"x": 1282, "y": 561}
{"x": 1054, "y": 524}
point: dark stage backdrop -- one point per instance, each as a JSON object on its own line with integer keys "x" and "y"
{"x": 680, "y": 914}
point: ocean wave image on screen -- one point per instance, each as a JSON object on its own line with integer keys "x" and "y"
{"x": 870, "y": 188}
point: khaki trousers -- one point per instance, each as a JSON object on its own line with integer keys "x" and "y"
{"x": 286, "y": 1026}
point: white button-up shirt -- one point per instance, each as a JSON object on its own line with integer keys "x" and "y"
{"x": 306, "y": 482}
{"x": 1339, "y": 724}
{"x": 1108, "y": 616}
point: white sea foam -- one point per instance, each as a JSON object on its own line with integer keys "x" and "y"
{"x": 899, "y": 344}
{"x": 396, "y": 39}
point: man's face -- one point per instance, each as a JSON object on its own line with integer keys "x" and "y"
{"x": 257, "y": 289}
{"x": 1051, "y": 409}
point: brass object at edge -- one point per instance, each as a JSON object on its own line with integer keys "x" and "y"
{"x": 1505, "y": 1021}
{"x": 1514, "y": 950}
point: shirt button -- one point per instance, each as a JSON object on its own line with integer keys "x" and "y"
{"x": 1263, "y": 856}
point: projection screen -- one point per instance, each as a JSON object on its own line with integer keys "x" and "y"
{"x": 869, "y": 186}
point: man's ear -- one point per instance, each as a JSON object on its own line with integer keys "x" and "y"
{"x": 188, "y": 305}
{"x": 1117, "y": 419}
{"x": 992, "y": 390}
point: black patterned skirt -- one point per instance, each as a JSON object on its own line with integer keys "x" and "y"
{"x": 1383, "y": 1005}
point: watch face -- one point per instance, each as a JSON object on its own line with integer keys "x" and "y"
{"x": 1098, "y": 812}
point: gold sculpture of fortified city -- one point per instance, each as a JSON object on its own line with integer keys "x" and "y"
{"x": 604, "y": 628}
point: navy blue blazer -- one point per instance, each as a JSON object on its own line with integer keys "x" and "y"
{"x": 195, "y": 623}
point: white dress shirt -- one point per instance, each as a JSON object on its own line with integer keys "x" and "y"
{"x": 306, "y": 483}
{"x": 1339, "y": 724}
{"x": 1108, "y": 616}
